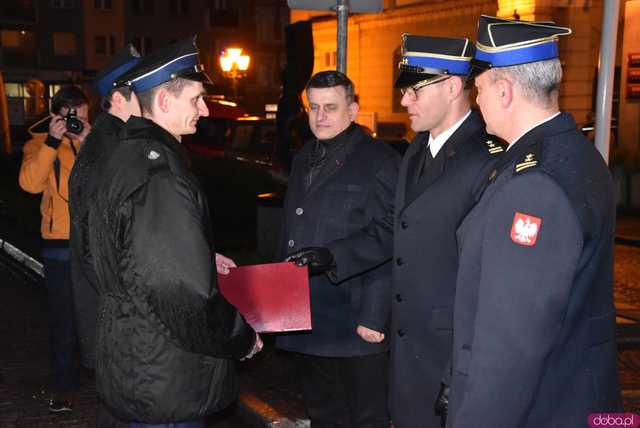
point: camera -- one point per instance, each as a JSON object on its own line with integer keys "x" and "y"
{"x": 74, "y": 125}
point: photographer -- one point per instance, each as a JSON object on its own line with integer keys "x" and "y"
{"x": 46, "y": 165}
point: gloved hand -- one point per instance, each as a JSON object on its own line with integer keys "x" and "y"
{"x": 319, "y": 259}
{"x": 441, "y": 406}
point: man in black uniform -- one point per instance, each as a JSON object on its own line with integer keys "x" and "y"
{"x": 166, "y": 336}
{"x": 534, "y": 324}
{"x": 448, "y": 156}
{"x": 118, "y": 104}
{"x": 339, "y": 181}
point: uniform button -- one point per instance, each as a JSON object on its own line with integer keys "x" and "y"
{"x": 401, "y": 332}
{"x": 404, "y": 224}
{"x": 299, "y": 211}
{"x": 399, "y": 261}
{"x": 291, "y": 242}
{"x": 399, "y": 297}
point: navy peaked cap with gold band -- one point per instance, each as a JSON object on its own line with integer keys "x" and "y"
{"x": 179, "y": 60}
{"x": 505, "y": 42}
{"x": 123, "y": 61}
{"x": 426, "y": 57}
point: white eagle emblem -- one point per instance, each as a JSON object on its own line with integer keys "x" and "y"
{"x": 525, "y": 228}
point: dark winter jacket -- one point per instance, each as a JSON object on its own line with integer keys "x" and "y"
{"x": 166, "y": 336}
{"x": 82, "y": 184}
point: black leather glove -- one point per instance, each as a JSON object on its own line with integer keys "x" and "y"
{"x": 441, "y": 406}
{"x": 319, "y": 259}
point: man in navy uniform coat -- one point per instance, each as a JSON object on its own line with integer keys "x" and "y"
{"x": 340, "y": 180}
{"x": 534, "y": 322}
{"x": 449, "y": 154}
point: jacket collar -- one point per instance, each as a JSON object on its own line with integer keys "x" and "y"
{"x": 141, "y": 127}
{"x": 349, "y": 139}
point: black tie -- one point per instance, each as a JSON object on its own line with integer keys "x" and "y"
{"x": 427, "y": 157}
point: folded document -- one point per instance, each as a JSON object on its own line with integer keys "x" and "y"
{"x": 272, "y": 297}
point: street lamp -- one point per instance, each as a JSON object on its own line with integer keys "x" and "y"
{"x": 234, "y": 65}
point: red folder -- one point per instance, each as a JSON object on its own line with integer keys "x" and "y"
{"x": 272, "y": 297}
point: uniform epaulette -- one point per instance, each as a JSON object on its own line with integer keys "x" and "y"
{"x": 530, "y": 160}
{"x": 494, "y": 148}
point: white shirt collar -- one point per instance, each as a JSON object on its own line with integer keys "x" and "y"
{"x": 435, "y": 144}
{"x": 534, "y": 126}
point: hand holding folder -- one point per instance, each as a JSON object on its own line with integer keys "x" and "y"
{"x": 272, "y": 297}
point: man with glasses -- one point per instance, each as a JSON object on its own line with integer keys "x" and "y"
{"x": 449, "y": 155}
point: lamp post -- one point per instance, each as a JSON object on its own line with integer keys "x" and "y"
{"x": 234, "y": 66}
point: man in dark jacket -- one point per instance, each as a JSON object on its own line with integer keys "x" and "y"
{"x": 166, "y": 336}
{"x": 534, "y": 325}
{"x": 449, "y": 155}
{"x": 340, "y": 181}
{"x": 118, "y": 104}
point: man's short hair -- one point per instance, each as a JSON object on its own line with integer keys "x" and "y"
{"x": 330, "y": 79}
{"x": 69, "y": 96}
{"x": 539, "y": 81}
{"x": 174, "y": 87}
{"x": 105, "y": 102}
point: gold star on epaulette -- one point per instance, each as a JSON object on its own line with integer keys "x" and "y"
{"x": 493, "y": 147}
{"x": 528, "y": 162}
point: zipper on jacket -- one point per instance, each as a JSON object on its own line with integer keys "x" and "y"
{"x": 51, "y": 215}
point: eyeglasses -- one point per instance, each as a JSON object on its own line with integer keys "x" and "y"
{"x": 412, "y": 91}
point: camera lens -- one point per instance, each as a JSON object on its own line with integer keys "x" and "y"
{"x": 74, "y": 125}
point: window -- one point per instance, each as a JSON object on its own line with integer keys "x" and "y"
{"x": 102, "y": 4}
{"x": 53, "y": 89}
{"x": 222, "y": 4}
{"x": 223, "y": 13}
{"x": 264, "y": 25}
{"x": 105, "y": 45}
{"x": 11, "y": 39}
{"x": 64, "y": 43}
{"x": 19, "y": 10}
{"x": 330, "y": 59}
{"x": 100, "y": 43}
{"x": 16, "y": 90}
{"x": 179, "y": 7}
{"x": 18, "y": 48}
{"x": 142, "y": 7}
{"x": 62, "y": 4}
{"x": 142, "y": 44}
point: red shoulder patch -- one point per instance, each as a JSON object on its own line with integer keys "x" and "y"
{"x": 525, "y": 228}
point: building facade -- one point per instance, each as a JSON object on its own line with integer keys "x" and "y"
{"x": 41, "y": 48}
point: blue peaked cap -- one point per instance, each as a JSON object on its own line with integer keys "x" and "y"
{"x": 123, "y": 61}
{"x": 426, "y": 57}
{"x": 179, "y": 60}
{"x": 506, "y": 42}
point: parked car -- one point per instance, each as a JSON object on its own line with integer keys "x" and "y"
{"x": 234, "y": 135}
